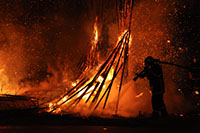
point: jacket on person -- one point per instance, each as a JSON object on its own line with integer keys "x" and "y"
{"x": 154, "y": 74}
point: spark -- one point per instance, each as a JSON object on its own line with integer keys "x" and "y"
{"x": 105, "y": 129}
{"x": 181, "y": 115}
{"x": 196, "y": 92}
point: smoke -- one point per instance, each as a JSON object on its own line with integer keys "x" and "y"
{"x": 39, "y": 47}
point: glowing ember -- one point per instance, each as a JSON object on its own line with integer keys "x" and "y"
{"x": 168, "y": 41}
{"x": 105, "y": 129}
{"x": 196, "y": 92}
{"x": 194, "y": 60}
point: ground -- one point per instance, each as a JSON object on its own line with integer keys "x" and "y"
{"x": 68, "y": 123}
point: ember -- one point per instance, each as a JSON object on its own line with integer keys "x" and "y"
{"x": 181, "y": 115}
{"x": 196, "y": 92}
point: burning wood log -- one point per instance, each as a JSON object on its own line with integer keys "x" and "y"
{"x": 95, "y": 87}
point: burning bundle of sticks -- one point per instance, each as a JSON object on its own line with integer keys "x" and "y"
{"x": 94, "y": 90}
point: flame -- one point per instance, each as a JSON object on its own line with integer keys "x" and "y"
{"x": 96, "y": 33}
{"x": 93, "y": 56}
{"x": 58, "y": 110}
{"x": 85, "y": 97}
{"x": 3, "y": 80}
{"x": 63, "y": 99}
{"x": 81, "y": 92}
{"x": 122, "y": 34}
{"x": 130, "y": 41}
{"x": 110, "y": 75}
{"x": 6, "y": 86}
{"x": 99, "y": 79}
{"x": 139, "y": 95}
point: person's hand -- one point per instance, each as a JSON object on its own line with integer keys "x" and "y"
{"x": 135, "y": 78}
{"x": 137, "y": 74}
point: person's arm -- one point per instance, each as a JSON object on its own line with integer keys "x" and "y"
{"x": 142, "y": 74}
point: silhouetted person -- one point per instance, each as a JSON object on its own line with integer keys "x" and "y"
{"x": 154, "y": 74}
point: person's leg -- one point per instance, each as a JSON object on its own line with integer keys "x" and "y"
{"x": 163, "y": 107}
{"x": 155, "y": 106}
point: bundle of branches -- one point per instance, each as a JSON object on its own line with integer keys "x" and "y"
{"x": 124, "y": 9}
{"x": 100, "y": 85}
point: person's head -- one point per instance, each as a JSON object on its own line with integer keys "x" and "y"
{"x": 149, "y": 61}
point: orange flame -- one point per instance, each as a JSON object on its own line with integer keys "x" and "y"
{"x": 139, "y": 95}
{"x": 96, "y": 33}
